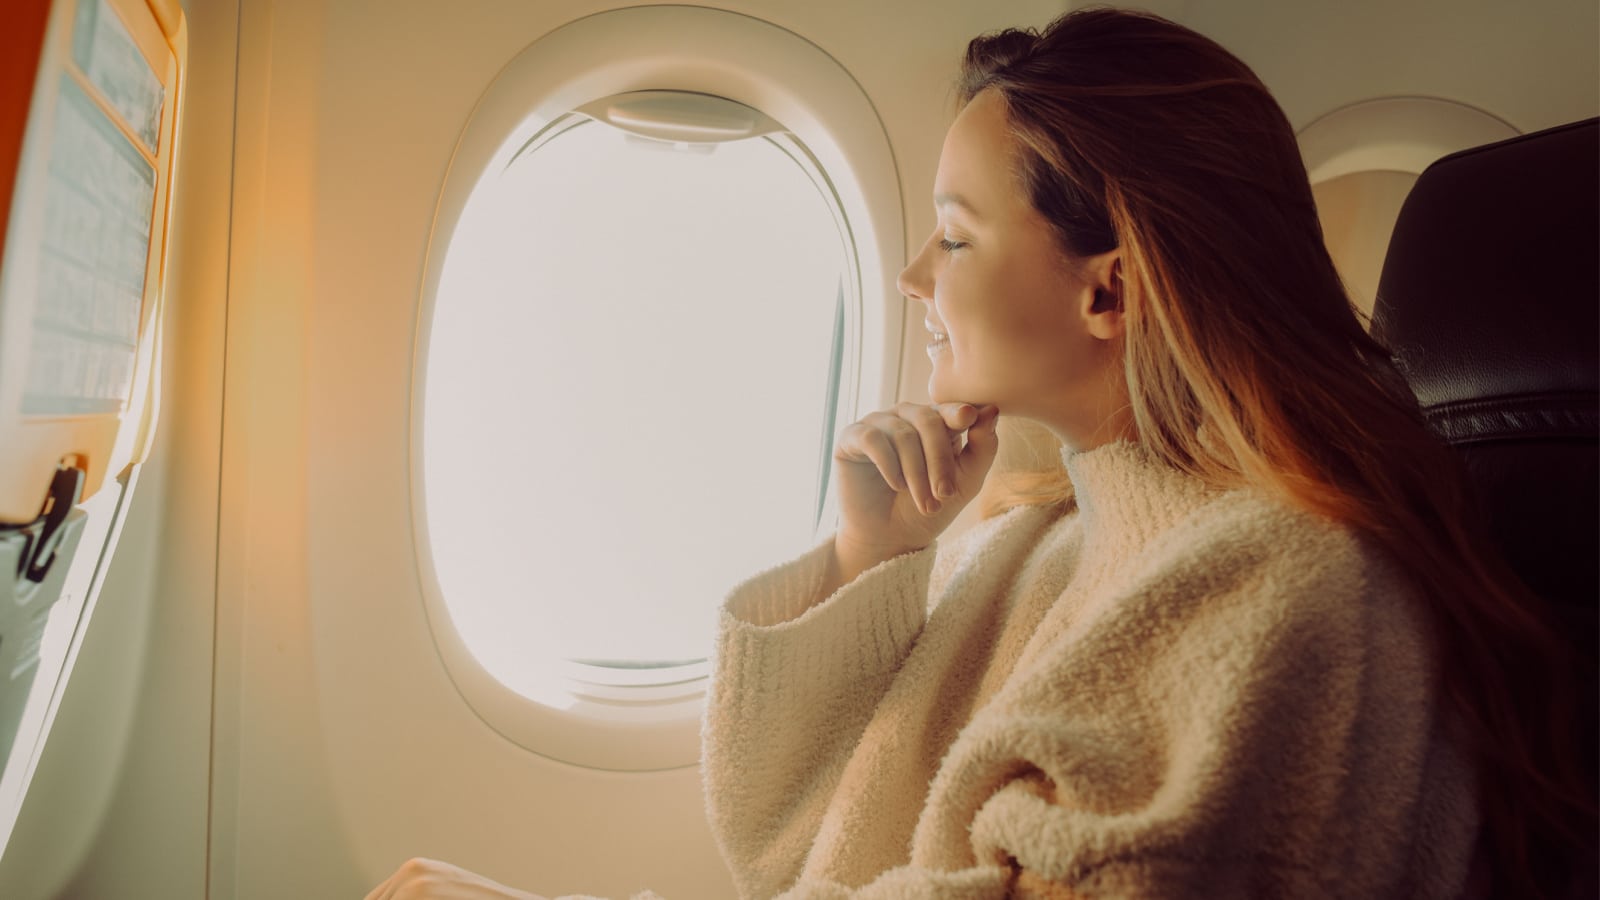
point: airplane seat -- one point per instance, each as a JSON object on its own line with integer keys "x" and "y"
{"x": 1490, "y": 300}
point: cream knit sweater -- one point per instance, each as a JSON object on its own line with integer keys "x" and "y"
{"x": 1170, "y": 692}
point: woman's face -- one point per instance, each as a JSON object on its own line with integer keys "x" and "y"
{"x": 1010, "y": 313}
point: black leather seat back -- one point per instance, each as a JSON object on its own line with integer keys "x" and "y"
{"x": 1490, "y": 301}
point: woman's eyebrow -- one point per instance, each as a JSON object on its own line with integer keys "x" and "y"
{"x": 942, "y": 200}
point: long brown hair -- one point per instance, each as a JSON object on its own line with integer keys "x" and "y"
{"x": 1247, "y": 364}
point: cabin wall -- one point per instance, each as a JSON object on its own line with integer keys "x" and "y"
{"x": 118, "y": 805}
{"x": 1533, "y": 65}
{"x": 208, "y": 740}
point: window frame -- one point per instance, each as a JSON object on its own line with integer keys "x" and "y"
{"x": 1401, "y": 135}
{"x": 1394, "y": 134}
{"x": 592, "y": 721}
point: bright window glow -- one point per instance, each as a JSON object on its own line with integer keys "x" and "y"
{"x": 627, "y": 379}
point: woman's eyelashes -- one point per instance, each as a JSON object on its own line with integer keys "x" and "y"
{"x": 950, "y": 246}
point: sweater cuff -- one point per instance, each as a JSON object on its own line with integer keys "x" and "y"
{"x": 865, "y": 628}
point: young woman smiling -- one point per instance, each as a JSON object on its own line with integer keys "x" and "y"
{"x": 1256, "y": 647}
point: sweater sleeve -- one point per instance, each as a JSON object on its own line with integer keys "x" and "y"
{"x": 793, "y": 687}
{"x": 1249, "y": 728}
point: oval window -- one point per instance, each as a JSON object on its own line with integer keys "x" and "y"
{"x": 1362, "y": 160}
{"x": 1358, "y": 211}
{"x": 633, "y": 371}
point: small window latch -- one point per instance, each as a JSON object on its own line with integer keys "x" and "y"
{"x": 42, "y": 536}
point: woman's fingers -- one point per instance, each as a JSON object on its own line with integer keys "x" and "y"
{"x": 892, "y": 468}
{"x": 983, "y": 443}
{"x": 958, "y": 416}
{"x": 970, "y": 449}
{"x": 920, "y": 450}
{"x": 908, "y": 431}
{"x": 865, "y": 441}
{"x": 938, "y": 445}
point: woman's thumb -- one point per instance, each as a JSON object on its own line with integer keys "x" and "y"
{"x": 983, "y": 442}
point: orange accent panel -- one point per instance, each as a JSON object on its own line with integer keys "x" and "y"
{"x": 167, "y": 13}
{"x": 21, "y": 42}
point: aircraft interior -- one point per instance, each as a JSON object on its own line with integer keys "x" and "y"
{"x": 392, "y": 392}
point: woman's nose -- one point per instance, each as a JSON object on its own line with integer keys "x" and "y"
{"x": 912, "y": 282}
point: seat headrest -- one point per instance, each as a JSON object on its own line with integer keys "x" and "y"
{"x": 1490, "y": 302}
{"x": 1491, "y": 287}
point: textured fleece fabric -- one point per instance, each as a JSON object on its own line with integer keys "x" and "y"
{"x": 1170, "y": 691}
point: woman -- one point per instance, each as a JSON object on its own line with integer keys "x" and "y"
{"x": 1253, "y": 649}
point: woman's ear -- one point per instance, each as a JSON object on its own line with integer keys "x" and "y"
{"x": 1103, "y": 311}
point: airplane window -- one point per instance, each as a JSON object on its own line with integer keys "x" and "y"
{"x": 631, "y": 380}
{"x": 1362, "y": 160}
{"x": 1358, "y": 212}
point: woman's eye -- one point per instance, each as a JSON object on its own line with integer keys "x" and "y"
{"x": 949, "y": 246}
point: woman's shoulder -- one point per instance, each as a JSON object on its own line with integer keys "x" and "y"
{"x": 1246, "y": 596}
{"x": 1287, "y": 562}
{"x": 1247, "y": 521}
{"x": 1250, "y": 524}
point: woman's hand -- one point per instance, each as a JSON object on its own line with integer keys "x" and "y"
{"x": 903, "y": 475}
{"x": 429, "y": 879}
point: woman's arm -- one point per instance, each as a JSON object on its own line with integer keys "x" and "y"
{"x": 1255, "y": 716}
{"x": 789, "y": 700}
{"x": 807, "y": 650}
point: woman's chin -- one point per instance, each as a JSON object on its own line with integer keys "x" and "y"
{"x": 940, "y": 391}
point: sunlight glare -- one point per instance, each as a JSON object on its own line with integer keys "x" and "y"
{"x": 625, "y": 393}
